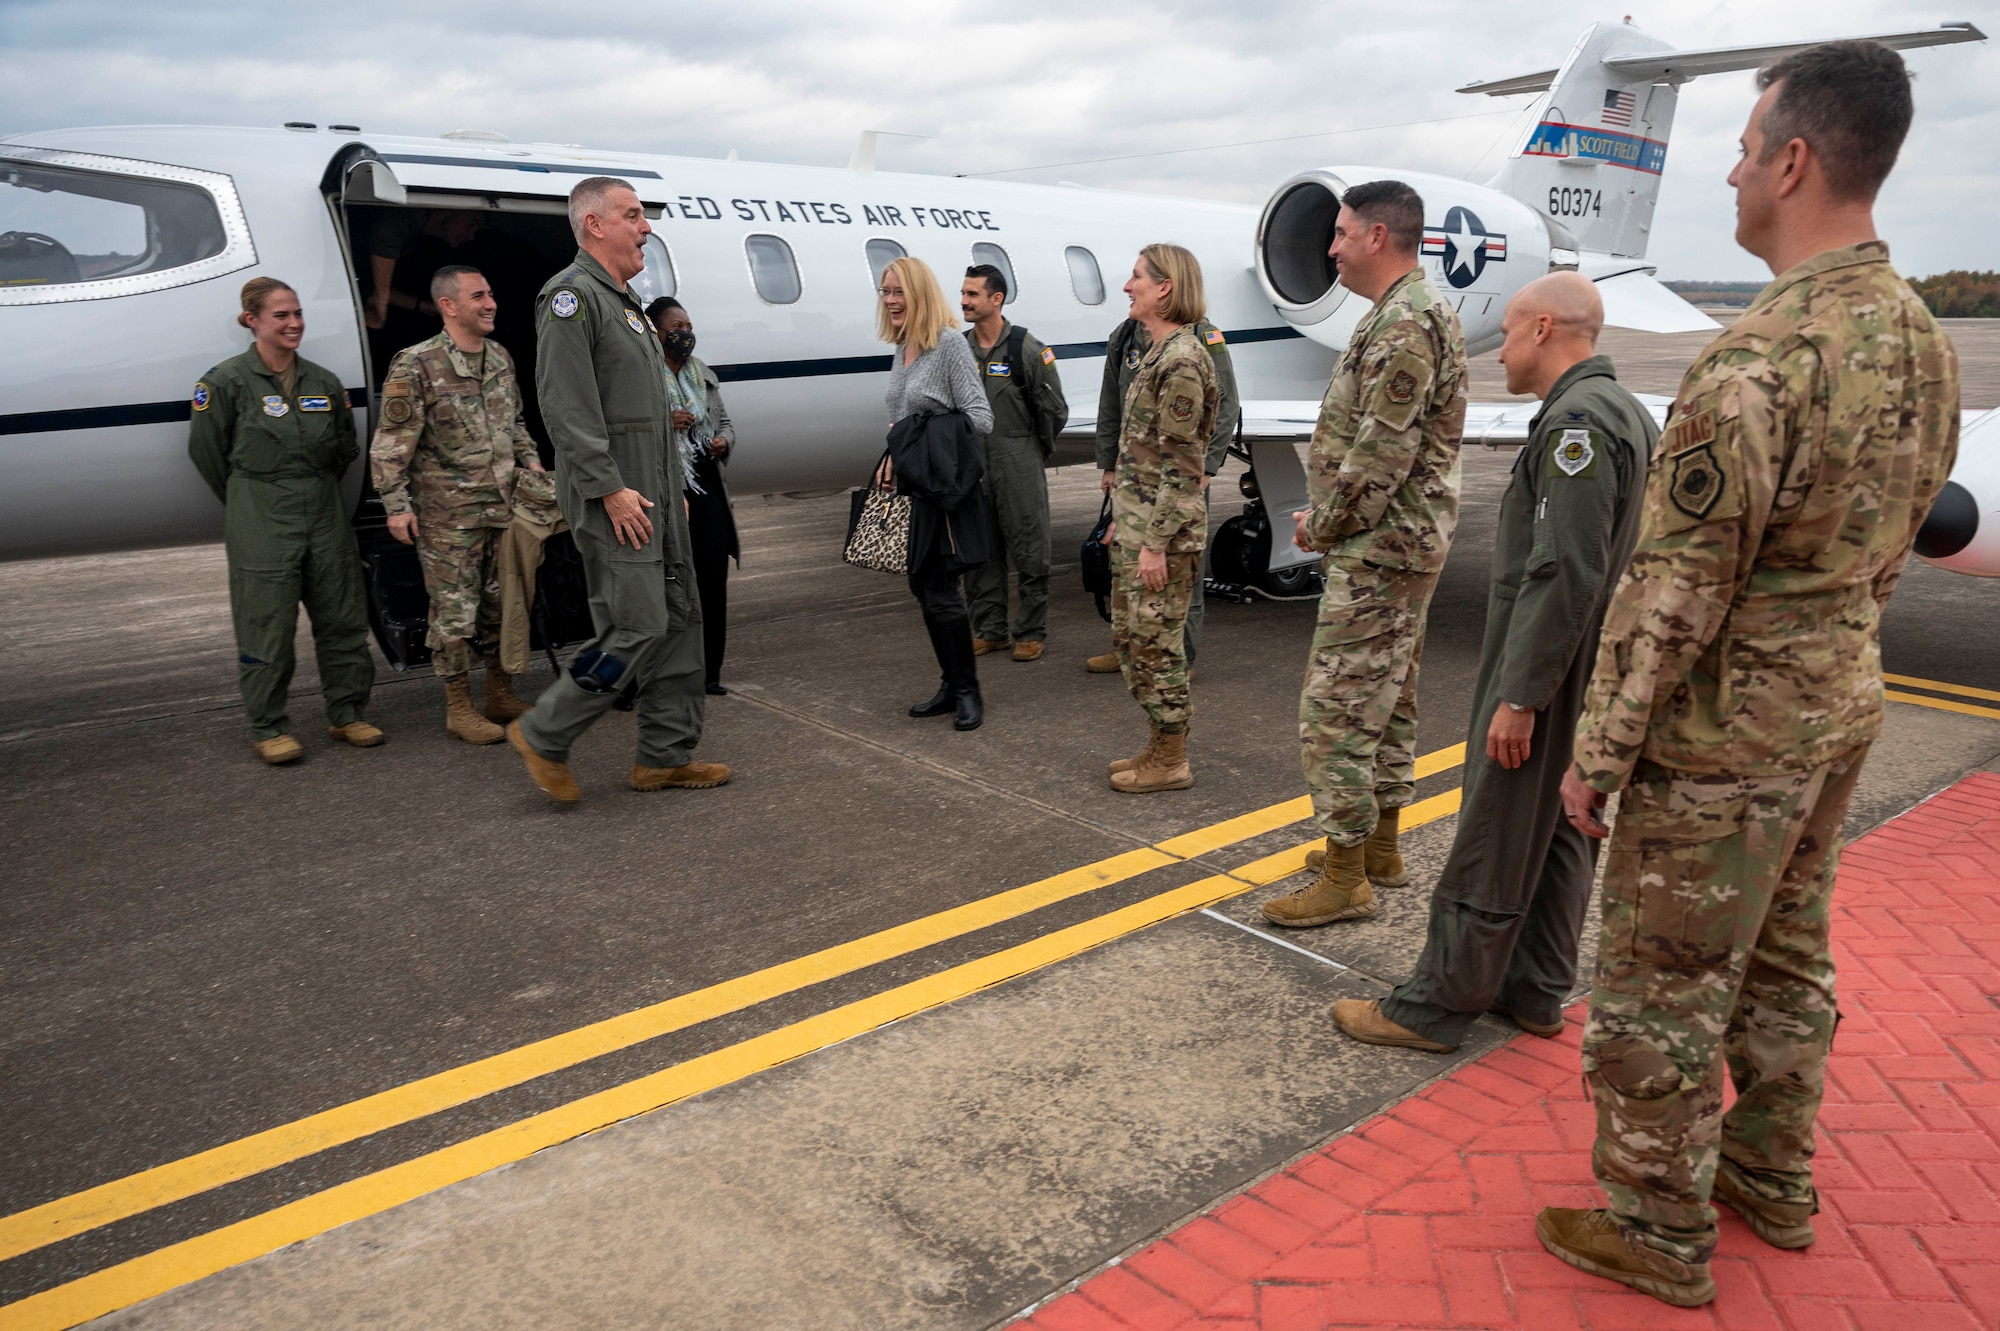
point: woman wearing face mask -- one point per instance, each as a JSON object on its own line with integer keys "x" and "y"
{"x": 703, "y": 433}
{"x": 939, "y": 413}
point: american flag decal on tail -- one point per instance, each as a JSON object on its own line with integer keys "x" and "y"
{"x": 1618, "y": 108}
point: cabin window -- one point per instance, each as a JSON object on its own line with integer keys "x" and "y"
{"x": 69, "y": 233}
{"x": 993, "y": 254}
{"x": 773, "y": 270}
{"x": 882, "y": 253}
{"x": 1086, "y": 279}
{"x": 657, "y": 279}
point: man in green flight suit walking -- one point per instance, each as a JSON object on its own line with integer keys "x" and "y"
{"x": 1507, "y": 913}
{"x": 1029, "y": 412}
{"x": 271, "y": 434}
{"x": 603, "y": 394}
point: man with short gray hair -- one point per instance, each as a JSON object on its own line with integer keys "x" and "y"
{"x": 603, "y": 393}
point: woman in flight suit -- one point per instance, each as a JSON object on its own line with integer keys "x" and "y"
{"x": 271, "y": 435}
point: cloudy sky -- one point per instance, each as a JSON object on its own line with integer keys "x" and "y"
{"x": 1002, "y": 87}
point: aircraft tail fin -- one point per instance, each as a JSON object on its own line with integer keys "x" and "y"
{"x": 1593, "y": 158}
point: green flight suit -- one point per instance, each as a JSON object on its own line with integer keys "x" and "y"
{"x": 274, "y": 456}
{"x": 1507, "y": 912}
{"x": 1026, "y": 399}
{"x": 603, "y": 390}
{"x": 1127, "y": 346}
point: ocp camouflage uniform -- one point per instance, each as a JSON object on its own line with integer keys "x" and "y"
{"x": 1126, "y": 347}
{"x": 452, "y": 431}
{"x": 1737, "y": 688}
{"x": 1382, "y": 476}
{"x": 1157, "y": 504}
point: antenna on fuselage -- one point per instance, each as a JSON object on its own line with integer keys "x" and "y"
{"x": 864, "y": 149}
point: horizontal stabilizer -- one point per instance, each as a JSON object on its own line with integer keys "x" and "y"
{"x": 1724, "y": 59}
{"x": 1637, "y": 300}
{"x": 1654, "y": 66}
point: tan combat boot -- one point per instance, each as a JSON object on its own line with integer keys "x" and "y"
{"x": 1592, "y": 1241}
{"x": 1106, "y": 664}
{"x": 1164, "y": 768}
{"x": 1340, "y": 892}
{"x": 553, "y": 777}
{"x": 358, "y": 733}
{"x": 460, "y": 718}
{"x": 1383, "y": 862}
{"x": 986, "y": 646}
{"x": 688, "y": 776}
{"x": 280, "y": 749}
{"x": 1127, "y": 764}
{"x": 1780, "y": 1224}
{"x": 1362, "y": 1019}
{"x": 500, "y": 703}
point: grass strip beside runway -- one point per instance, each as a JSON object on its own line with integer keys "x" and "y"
{"x": 169, "y": 1268}
{"x": 52, "y": 1222}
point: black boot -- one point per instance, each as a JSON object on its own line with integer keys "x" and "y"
{"x": 943, "y": 701}
{"x": 971, "y": 710}
{"x": 961, "y": 674}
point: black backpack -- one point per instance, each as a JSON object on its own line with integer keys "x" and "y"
{"x": 1097, "y": 561}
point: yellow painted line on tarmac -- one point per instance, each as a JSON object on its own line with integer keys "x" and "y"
{"x": 1943, "y": 704}
{"x": 1939, "y": 686}
{"x": 192, "y": 1259}
{"x": 54, "y": 1221}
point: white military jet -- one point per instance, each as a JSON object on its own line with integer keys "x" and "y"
{"x": 121, "y": 251}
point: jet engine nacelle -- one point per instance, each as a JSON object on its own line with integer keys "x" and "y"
{"x": 1479, "y": 247}
{"x": 1962, "y": 532}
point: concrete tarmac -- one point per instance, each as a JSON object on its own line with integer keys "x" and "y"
{"x": 198, "y": 948}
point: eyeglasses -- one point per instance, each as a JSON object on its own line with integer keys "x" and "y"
{"x": 886, "y": 292}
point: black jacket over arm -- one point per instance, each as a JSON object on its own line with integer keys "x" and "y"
{"x": 939, "y": 462}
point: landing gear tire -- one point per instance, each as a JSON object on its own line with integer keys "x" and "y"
{"x": 1296, "y": 580}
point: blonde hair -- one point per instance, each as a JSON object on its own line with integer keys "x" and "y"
{"x": 926, "y": 313}
{"x": 255, "y": 292}
{"x": 1178, "y": 267}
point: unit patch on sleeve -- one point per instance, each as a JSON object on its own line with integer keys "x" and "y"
{"x": 396, "y": 410}
{"x": 563, "y": 304}
{"x": 200, "y": 396}
{"x": 1573, "y": 453}
{"x": 1182, "y": 409}
{"x": 1132, "y": 358}
{"x": 1698, "y": 481}
{"x": 1048, "y": 355}
{"x": 1402, "y": 388}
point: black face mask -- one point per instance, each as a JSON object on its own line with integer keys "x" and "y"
{"x": 679, "y": 342}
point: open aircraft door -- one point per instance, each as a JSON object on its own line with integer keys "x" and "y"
{"x": 509, "y": 220}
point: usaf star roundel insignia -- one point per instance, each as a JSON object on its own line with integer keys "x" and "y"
{"x": 638, "y": 325}
{"x": 1574, "y": 453}
{"x": 276, "y": 406}
{"x": 1402, "y": 388}
{"x": 201, "y": 397}
{"x": 563, "y": 304}
{"x": 1697, "y": 484}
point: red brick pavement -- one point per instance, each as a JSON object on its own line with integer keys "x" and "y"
{"x": 1424, "y": 1216}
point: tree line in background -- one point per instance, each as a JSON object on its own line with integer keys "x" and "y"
{"x": 1953, "y": 295}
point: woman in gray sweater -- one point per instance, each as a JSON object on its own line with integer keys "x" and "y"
{"x": 931, "y": 375}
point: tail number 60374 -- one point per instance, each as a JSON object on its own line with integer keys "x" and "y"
{"x": 1576, "y": 202}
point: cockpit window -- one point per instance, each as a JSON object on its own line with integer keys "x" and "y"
{"x": 993, "y": 254}
{"x": 72, "y": 232}
{"x": 882, "y": 253}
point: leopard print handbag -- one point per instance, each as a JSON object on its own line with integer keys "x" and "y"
{"x": 878, "y": 531}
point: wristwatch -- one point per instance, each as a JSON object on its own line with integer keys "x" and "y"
{"x": 1517, "y": 707}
